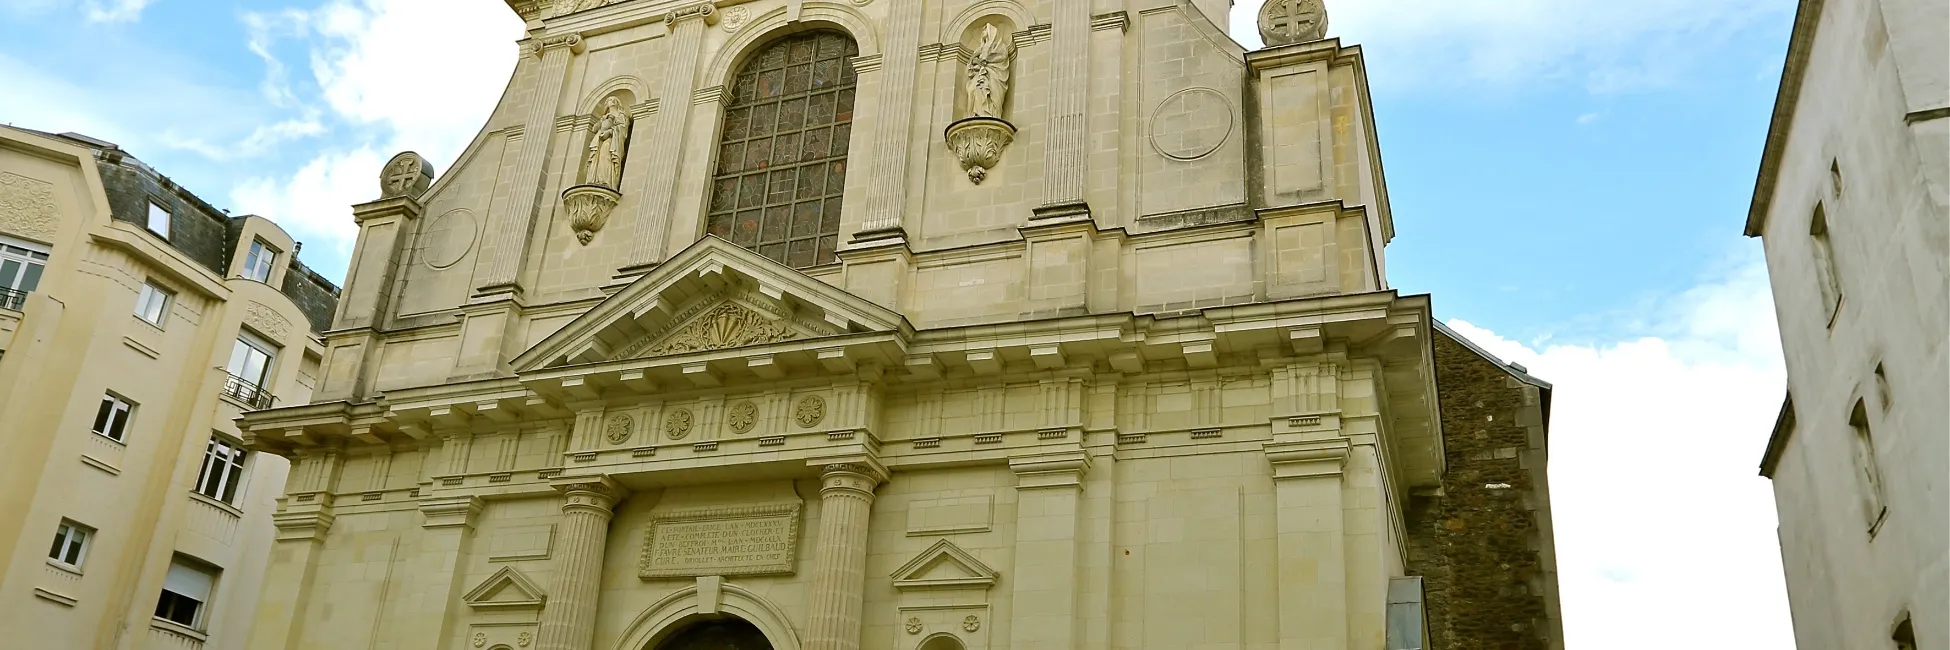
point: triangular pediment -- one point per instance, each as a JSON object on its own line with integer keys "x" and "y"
{"x": 944, "y": 566}
{"x": 713, "y": 295}
{"x": 506, "y": 589}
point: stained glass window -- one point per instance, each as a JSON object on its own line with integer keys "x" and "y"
{"x": 782, "y": 161}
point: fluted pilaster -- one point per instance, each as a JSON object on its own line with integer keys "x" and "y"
{"x": 569, "y": 620}
{"x": 509, "y": 236}
{"x": 894, "y": 117}
{"x": 840, "y": 556}
{"x": 673, "y": 118}
{"x": 1069, "y": 82}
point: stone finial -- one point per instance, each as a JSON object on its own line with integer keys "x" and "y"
{"x": 1285, "y": 22}
{"x": 407, "y": 174}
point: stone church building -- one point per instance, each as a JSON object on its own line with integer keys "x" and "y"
{"x": 916, "y": 324}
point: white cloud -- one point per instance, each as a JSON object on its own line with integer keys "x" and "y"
{"x": 1609, "y": 46}
{"x": 1587, "y": 118}
{"x": 377, "y": 67}
{"x": 1665, "y": 532}
{"x": 115, "y": 11}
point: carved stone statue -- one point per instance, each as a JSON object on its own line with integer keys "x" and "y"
{"x": 988, "y": 74}
{"x": 607, "y": 145}
{"x": 1285, "y": 22}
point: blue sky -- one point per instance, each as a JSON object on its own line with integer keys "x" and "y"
{"x": 1568, "y": 177}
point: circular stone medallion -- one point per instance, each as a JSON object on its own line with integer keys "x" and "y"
{"x": 810, "y": 411}
{"x": 620, "y": 427}
{"x": 677, "y": 424}
{"x": 449, "y": 237}
{"x": 1191, "y": 124}
{"x": 742, "y": 417}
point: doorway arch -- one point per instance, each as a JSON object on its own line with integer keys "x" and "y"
{"x": 678, "y": 612}
{"x": 725, "y": 633}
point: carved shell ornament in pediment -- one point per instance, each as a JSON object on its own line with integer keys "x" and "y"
{"x": 728, "y": 325}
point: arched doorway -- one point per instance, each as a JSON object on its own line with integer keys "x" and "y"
{"x": 717, "y": 634}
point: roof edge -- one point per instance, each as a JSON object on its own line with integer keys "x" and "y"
{"x": 1801, "y": 43}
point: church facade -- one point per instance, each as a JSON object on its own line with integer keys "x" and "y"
{"x": 943, "y": 324}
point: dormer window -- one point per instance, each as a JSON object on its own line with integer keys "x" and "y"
{"x": 158, "y": 220}
{"x": 257, "y": 265}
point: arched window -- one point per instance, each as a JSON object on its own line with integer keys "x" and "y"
{"x": 782, "y": 159}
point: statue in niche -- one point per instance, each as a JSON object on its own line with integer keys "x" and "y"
{"x": 988, "y": 74}
{"x": 607, "y": 145}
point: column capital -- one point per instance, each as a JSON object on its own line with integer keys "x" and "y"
{"x": 1051, "y": 470}
{"x": 596, "y": 494}
{"x": 704, "y": 10}
{"x": 857, "y": 475}
{"x": 1308, "y": 458}
{"x": 571, "y": 40}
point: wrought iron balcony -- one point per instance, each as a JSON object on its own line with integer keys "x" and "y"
{"x": 10, "y": 299}
{"x": 247, "y": 392}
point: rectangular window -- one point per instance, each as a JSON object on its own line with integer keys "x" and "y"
{"x": 1831, "y": 284}
{"x": 186, "y": 590}
{"x": 112, "y": 419}
{"x": 158, "y": 220}
{"x": 70, "y": 544}
{"x": 21, "y": 265}
{"x": 250, "y": 359}
{"x": 152, "y": 304}
{"x": 1868, "y": 468}
{"x": 257, "y": 265}
{"x": 223, "y": 470}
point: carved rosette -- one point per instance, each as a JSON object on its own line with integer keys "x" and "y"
{"x": 620, "y": 427}
{"x": 978, "y": 143}
{"x": 589, "y": 207}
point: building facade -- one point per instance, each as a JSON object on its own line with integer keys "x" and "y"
{"x": 1850, "y": 207}
{"x": 136, "y": 324}
{"x": 944, "y": 324}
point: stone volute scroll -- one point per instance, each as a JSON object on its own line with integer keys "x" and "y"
{"x": 979, "y": 138}
{"x": 1285, "y": 22}
{"x": 406, "y": 175}
{"x": 590, "y": 202}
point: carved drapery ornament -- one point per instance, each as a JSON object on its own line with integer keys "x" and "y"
{"x": 1285, "y": 22}
{"x": 27, "y": 207}
{"x": 267, "y": 321}
{"x": 978, "y": 140}
{"x": 988, "y": 74}
{"x": 590, "y": 203}
{"x": 728, "y": 325}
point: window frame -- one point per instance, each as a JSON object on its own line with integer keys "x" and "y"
{"x": 259, "y": 261}
{"x": 229, "y": 483}
{"x": 142, "y": 303}
{"x": 1875, "y": 507}
{"x": 1828, "y": 277}
{"x": 70, "y": 537}
{"x": 112, "y": 403}
{"x": 260, "y": 344}
{"x": 780, "y": 160}
{"x": 155, "y": 207}
{"x": 200, "y": 613}
{"x": 29, "y": 264}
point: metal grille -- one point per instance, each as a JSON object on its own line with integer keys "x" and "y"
{"x": 10, "y": 299}
{"x": 782, "y": 159}
{"x": 248, "y": 392}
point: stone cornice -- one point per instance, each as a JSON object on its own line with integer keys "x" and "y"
{"x": 1308, "y": 458}
{"x": 1801, "y": 45}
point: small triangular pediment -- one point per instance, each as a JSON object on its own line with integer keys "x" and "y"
{"x": 713, "y": 295}
{"x": 944, "y": 566}
{"x": 506, "y": 589}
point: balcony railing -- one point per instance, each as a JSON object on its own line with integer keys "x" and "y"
{"x": 10, "y": 299}
{"x": 247, "y": 392}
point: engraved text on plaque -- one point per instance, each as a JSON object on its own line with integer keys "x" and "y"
{"x": 756, "y": 540}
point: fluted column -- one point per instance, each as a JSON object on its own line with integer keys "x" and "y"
{"x": 509, "y": 234}
{"x": 569, "y": 619}
{"x": 840, "y": 560}
{"x": 1069, "y": 82}
{"x": 894, "y": 119}
{"x": 686, "y": 27}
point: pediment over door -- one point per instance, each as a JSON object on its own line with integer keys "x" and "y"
{"x": 714, "y": 295}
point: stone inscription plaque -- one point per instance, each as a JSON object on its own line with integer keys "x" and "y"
{"x": 754, "y": 540}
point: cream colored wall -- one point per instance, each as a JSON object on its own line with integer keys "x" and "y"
{"x": 79, "y": 338}
{"x": 1887, "y": 224}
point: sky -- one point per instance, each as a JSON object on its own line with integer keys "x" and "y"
{"x": 1568, "y": 178}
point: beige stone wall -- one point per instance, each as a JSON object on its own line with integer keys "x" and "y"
{"x": 1862, "y": 140}
{"x": 77, "y": 338}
